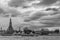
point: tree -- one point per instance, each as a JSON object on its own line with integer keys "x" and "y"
{"x": 27, "y": 31}
{"x": 44, "y": 31}
{"x": 56, "y": 31}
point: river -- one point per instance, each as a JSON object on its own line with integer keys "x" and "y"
{"x": 29, "y": 38}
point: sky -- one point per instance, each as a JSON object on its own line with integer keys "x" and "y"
{"x": 33, "y": 14}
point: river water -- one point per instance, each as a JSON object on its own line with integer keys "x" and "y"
{"x": 29, "y": 38}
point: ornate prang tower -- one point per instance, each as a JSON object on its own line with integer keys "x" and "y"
{"x": 10, "y": 28}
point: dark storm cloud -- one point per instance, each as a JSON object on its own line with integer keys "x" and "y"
{"x": 25, "y": 6}
{"x": 47, "y": 2}
{"x": 25, "y": 3}
{"x": 54, "y": 9}
{"x": 17, "y": 3}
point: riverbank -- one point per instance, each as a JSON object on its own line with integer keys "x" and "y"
{"x": 29, "y": 38}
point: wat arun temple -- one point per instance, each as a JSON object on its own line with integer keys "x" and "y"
{"x": 26, "y": 32}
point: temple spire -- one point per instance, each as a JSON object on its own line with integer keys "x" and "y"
{"x": 10, "y": 28}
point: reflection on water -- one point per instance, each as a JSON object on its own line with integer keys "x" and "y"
{"x": 29, "y": 38}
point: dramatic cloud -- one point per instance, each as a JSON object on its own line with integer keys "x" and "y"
{"x": 26, "y": 3}
{"x": 39, "y": 14}
{"x": 33, "y": 12}
{"x": 9, "y": 12}
{"x": 14, "y": 12}
{"x": 22, "y": 3}
{"x": 47, "y": 21}
{"x": 17, "y": 3}
{"x": 52, "y": 21}
{"x": 47, "y": 2}
{"x": 54, "y": 9}
{"x": 47, "y": 18}
{"x": 3, "y": 13}
{"x": 57, "y": 3}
